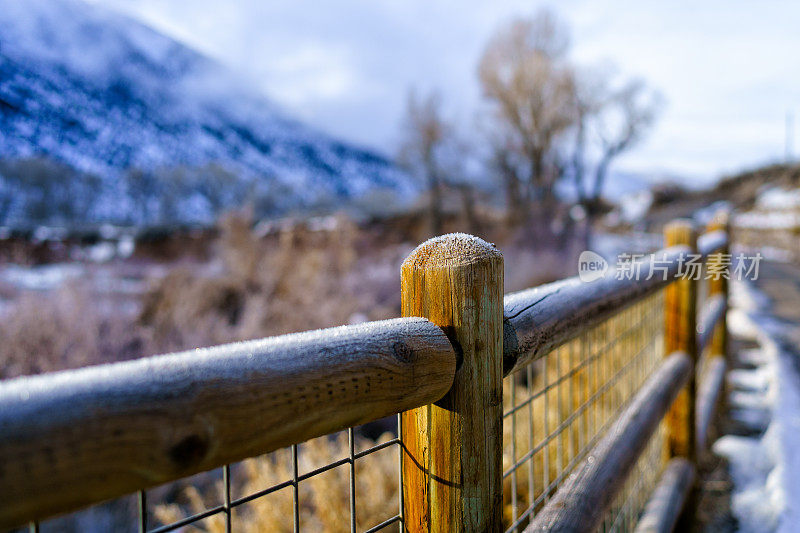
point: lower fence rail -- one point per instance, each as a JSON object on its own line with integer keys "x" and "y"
{"x": 665, "y": 505}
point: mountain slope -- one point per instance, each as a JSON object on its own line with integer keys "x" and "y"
{"x": 139, "y": 115}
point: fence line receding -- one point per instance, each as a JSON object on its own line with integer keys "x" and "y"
{"x": 573, "y": 405}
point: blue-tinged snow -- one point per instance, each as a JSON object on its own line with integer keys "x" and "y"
{"x": 763, "y": 397}
{"x": 104, "y": 94}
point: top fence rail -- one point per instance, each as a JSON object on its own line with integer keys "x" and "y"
{"x": 159, "y": 419}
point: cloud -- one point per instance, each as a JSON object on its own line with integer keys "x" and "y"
{"x": 346, "y": 66}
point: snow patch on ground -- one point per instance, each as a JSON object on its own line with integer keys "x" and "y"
{"x": 768, "y": 219}
{"x": 40, "y": 278}
{"x": 778, "y": 198}
{"x": 775, "y": 208}
{"x": 788, "y": 412}
{"x": 765, "y": 469}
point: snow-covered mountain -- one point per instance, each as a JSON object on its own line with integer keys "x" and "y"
{"x": 132, "y": 117}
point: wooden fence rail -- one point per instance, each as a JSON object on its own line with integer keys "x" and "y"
{"x": 669, "y": 496}
{"x": 74, "y": 438}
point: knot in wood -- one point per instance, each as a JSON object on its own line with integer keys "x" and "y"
{"x": 403, "y": 351}
{"x": 189, "y": 451}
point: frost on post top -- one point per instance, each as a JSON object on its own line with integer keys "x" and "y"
{"x": 451, "y": 250}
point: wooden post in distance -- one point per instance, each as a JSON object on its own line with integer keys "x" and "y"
{"x": 719, "y": 340}
{"x": 680, "y": 334}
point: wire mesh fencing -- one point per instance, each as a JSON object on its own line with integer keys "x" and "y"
{"x": 625, "y": 511}
{"x": 348, "y": 481}
{"x": 557, "y": 408}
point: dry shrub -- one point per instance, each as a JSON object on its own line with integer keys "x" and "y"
{"x": 264, "y": 287}
{"x": 183, "y": 310}
{"x": 309, "y": 274}
{"x": 304, "y": 278}
{"x": 43, "y": 333}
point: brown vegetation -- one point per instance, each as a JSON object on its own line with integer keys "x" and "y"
{"x": 43, "y": 333}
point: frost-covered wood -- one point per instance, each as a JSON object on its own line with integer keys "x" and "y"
{"x": 540, "y": 319}
{"x": 711, "y": 315}
{"x": 709, "y": 390}
{"x": 713, "y": 334}
{"x": 452, "y": 468}
{"x": 581, "y": 502}
{"x": 713, "y": 241}
{"x": 74, "y": 438}
{"x": 668, "y": 498}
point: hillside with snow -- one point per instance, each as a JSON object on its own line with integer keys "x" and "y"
{"x": 140, "y": 129}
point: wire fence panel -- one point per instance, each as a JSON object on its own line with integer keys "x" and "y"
{"x": 557, "y": 407}
{"x": 555, "y": 410}
{"x": 344, "y": 482}
{"x": 625, "y": 511}
{"x": 341, "y": 482}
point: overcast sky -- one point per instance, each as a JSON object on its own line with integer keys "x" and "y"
{"x": 729, "y": 70}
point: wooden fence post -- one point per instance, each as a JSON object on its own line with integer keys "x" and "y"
{"x": 719, "y": 262}
{"x": 452, "y": 465}
{"x": 680, "y": 334}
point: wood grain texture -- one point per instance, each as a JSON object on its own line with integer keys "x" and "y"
{"x": 711, "y": 316}
{"x": 680, "y": 334}
{"x": 452, "y": 467}
{"x": 719, "y": 286}
{"x": 583, "y": 499}
{"x": 708, "y": 395}
{"x": 538, "y": 320}
{"x": 668, "y": 498}
{"x": 74, "y": 438}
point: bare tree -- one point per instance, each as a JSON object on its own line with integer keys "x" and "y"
{"x": 591, "y": 94}
{"x": 503, "y": 165}
{"x": 617, "y": 119}
{"x": 424, "y": 136}
{"x": 525, "y": 74}
{"x": 433, "y": 150}
{"x": 625, "y": 118}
